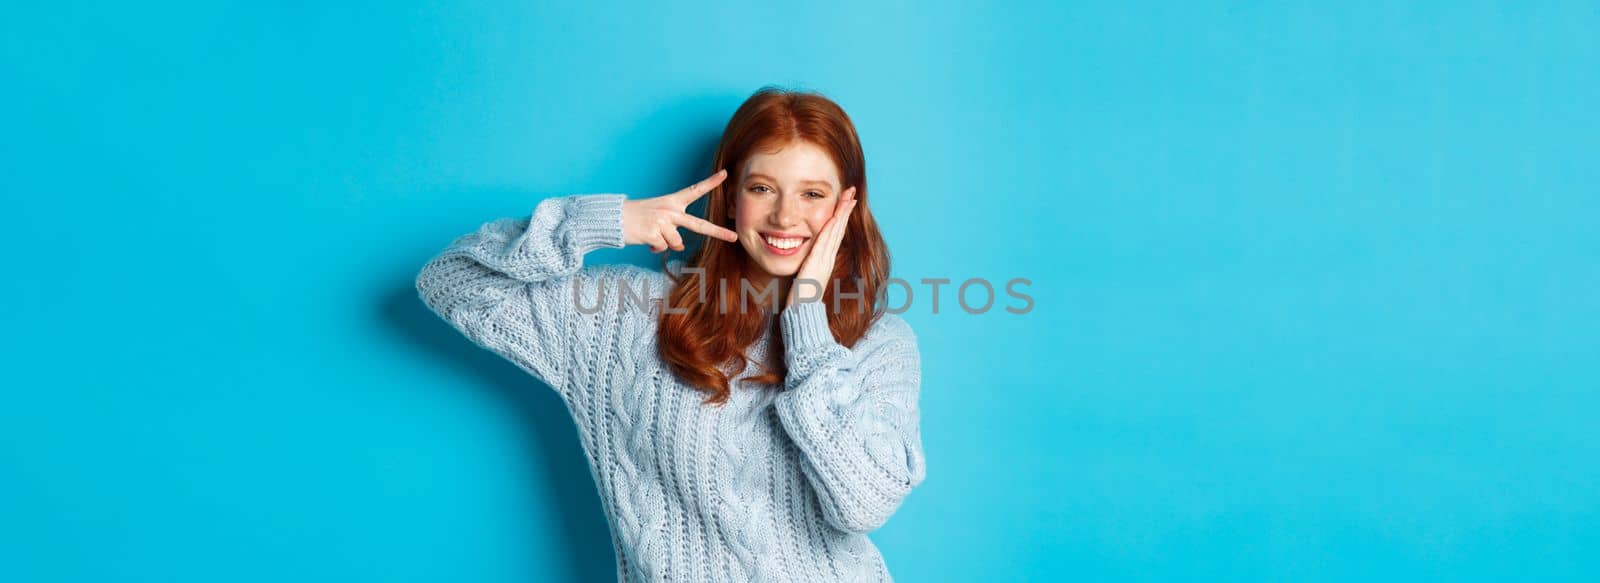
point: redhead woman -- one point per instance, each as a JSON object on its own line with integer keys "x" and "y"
{"x": 761, "y": 417}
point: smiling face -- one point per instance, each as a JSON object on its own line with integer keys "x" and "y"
{"x": 783, "y": 200}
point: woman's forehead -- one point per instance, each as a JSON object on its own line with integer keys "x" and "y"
{"x": 795, "y": 163}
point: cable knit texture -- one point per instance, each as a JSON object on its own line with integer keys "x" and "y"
{"x": 774, "y": 486}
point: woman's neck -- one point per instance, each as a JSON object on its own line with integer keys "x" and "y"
{"x": 759, "y": 283}
{"x": 759, "y": 280}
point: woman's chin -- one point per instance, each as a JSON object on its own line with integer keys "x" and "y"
{"x": 780, "y": 269}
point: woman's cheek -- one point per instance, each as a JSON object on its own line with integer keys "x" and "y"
{"x": 818, "y": 221}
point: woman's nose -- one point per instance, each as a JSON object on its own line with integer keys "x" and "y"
{"x": 786, "y": 213}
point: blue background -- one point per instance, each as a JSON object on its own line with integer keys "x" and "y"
{"x": 1315, "y": 287}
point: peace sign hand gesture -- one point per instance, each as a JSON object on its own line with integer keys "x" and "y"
{"x": 655, "y": 221}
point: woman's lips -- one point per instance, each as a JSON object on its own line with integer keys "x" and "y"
{"x": 766, "y": 240}
{"x": 779, "y": 251}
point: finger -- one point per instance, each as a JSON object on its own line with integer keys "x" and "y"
{"x": 700, "y": 188}
{"x": 844, "y": 199}
{"x": 827, "y": 243}
{"x": 840, "y": 218}
{"x": 705, "y": 227}
{"x": 657, "y": 243}
{"x": 837, "y": 233}
{"x": 674, "y": 239}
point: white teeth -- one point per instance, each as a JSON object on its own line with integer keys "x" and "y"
{"x": 783, "y": 243}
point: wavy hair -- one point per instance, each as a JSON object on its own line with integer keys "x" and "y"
{"x": 698, "y": 338}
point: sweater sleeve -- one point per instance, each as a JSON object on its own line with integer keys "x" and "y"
{"x": 508, "y": 286}
{"x": 853, "y": 414}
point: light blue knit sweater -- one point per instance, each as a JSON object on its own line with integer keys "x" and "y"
{"x": 773, "y": 486}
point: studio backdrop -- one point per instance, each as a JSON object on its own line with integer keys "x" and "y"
{"x": 1312, "y": 288}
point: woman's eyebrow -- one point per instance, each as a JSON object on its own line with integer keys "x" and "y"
{"x": 771, "y": 179}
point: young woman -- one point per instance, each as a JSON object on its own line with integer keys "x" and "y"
{"x": 734, "y": 436}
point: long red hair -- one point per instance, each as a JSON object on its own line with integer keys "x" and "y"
{"x": 701, "y": 339}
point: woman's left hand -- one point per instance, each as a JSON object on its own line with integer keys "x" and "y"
{"x": 818, "y": 266}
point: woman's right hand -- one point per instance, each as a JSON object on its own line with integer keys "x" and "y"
{"x": 655, "y": 221}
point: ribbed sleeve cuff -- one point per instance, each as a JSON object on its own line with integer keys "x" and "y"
{"x": 805, "y": 326}
{"x": 595, "y": 221}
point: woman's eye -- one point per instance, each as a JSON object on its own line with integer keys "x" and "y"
{"x": 815, "y": 194}
{"x": 758, "y": 188}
